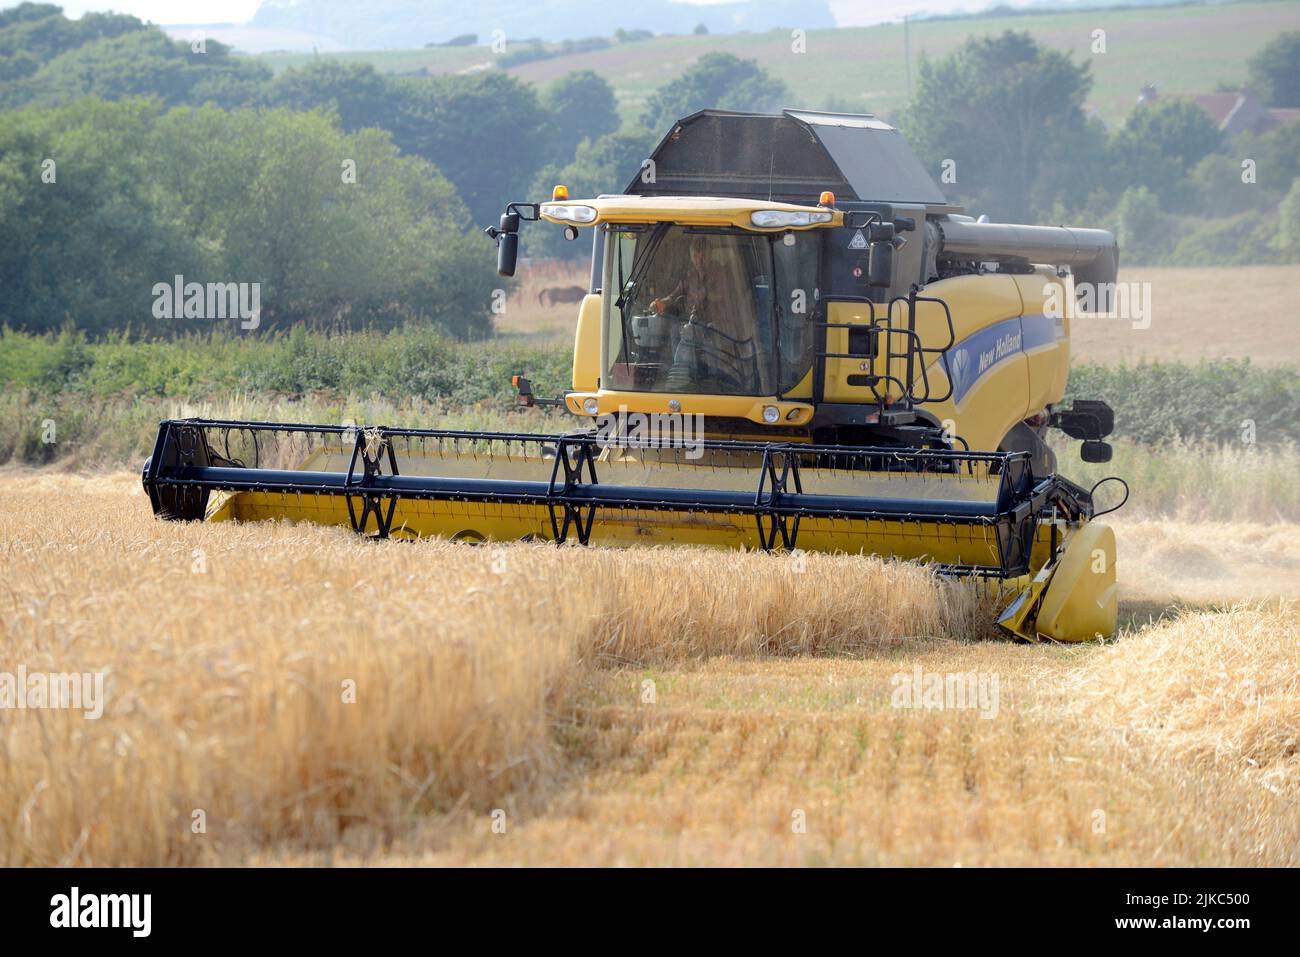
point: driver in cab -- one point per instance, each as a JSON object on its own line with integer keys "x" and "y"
{"x": 714, "y": 345}
{"x": 704, "y": 280}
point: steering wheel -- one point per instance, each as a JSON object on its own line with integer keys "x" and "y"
{"x": 708, "y": 361}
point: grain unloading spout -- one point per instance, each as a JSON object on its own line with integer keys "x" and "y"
{"x": 1092, "y": 254}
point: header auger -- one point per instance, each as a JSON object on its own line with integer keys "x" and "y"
{"x": 873, "y": 374}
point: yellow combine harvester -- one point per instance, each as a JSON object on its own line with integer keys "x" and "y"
{"x": 791, "y": 340}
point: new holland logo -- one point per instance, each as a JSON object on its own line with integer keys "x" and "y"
{"x": 960, "y": 364}
{"x": 858, "y": 241}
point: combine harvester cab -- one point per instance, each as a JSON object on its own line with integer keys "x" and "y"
{"x": 791, "y": 340}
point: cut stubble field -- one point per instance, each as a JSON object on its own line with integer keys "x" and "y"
{"x": 325, "y": 699}
{"x": 1199, "y": 313}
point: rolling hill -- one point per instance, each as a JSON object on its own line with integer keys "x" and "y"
{"x": 862, "y": 68}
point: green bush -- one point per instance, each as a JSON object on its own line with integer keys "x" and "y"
{"x": 1154, "y": 402}
{"x": 1241, "y": 240}
{"x": 415, "y": 362}
{"x": 1217, "y": 401}
{"x": 1142, "y": 230}
{"x": 86, "y": 432}
{"x": 50, "y": 363}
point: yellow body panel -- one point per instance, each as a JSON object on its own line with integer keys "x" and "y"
{"x": 586, "y": 345}
{"x": 1081, "y": 602}
{"x": 609, "y": 401}
{"x": 997, "y": 398}
{"x": 689, "y": 211}
{"x": 483, "y": 522}
{"x": 838, "y": 371}
{"x": 1048, "y": 362}
{"x": 940, "y": 542}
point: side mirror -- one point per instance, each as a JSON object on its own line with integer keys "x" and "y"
{"x": 507, "y": 253}
{"x": 1095, "y": 451}
{"x": 507, "y": 240}
{"x": 880, "y": 256}
{"x": 880, "y": 265}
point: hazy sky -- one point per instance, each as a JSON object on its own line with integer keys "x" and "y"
{"x": 847, "y": 12}
{"x": 170, "y": 11}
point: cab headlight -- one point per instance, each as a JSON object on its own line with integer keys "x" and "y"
{"x": 771, "y": 414}
{"x": 569, "y": 214}
{"x": 784, "y": 218}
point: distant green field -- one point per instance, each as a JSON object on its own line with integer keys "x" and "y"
{"x": 1183, "y": 50}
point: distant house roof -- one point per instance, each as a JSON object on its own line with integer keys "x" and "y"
{"x": 1243, "y": 112}
{"x": 1219, "y": 105}
{"x": 1234, "y": 112}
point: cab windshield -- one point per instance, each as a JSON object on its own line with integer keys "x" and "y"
{"x": 709, "y": 311}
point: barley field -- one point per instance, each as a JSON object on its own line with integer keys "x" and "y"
{"x": 281, "y": 694}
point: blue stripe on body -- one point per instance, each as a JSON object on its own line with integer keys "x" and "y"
{"x": 967, "y": 361}
{"x": 975, "y": 355}
{"x": 1040, "y": 330}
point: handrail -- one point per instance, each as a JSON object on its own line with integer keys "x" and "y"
{"x": 914, "y": 389}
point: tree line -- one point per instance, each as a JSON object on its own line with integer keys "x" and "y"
{"x": 350, "y": 197}
{"x": 1006, "y": 119}
{"x": 103, "y": 204}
